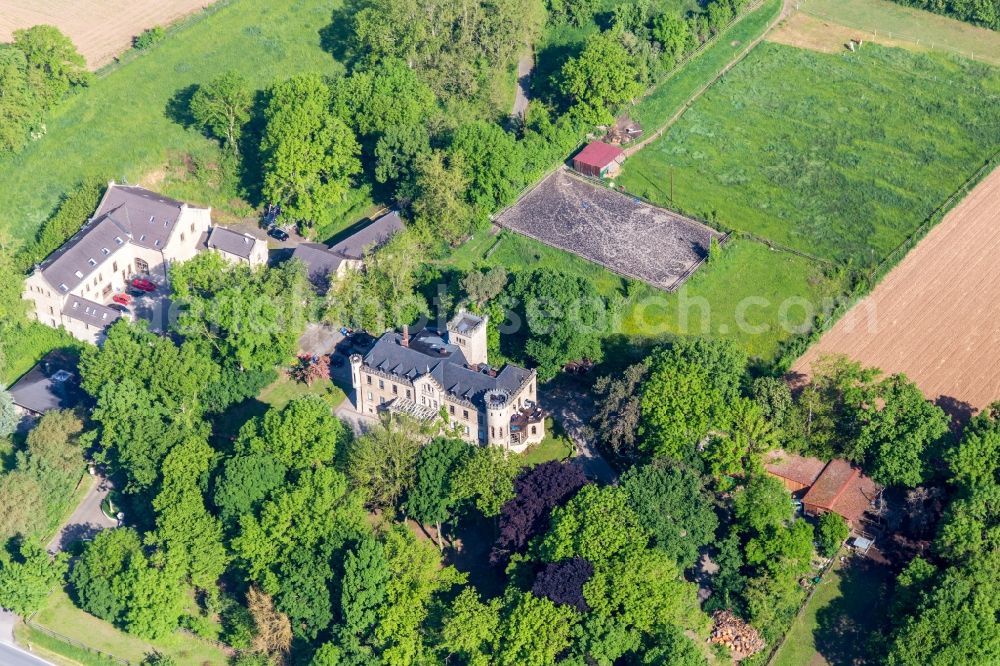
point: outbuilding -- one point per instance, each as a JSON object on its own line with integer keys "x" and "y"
{"x": 599, "y": 159}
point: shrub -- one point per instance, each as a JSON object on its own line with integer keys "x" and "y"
{"x": 148, "y": 37}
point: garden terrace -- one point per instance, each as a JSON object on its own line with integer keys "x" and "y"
{"x": 612, "y": 229}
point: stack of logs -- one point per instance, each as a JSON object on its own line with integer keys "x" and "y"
{"x": 741, "y": 639}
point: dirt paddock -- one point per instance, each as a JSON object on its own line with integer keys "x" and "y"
{"x": 817, "y": 34}
{"x": 100, "y": 29}
{"x": 936, "y": 316}
{"x": 612, "y": 229}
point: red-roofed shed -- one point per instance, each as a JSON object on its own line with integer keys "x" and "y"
{"x": 843, "y": 489}
{"x": 599, "y": 159}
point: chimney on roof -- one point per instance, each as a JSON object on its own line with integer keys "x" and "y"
{"x": 406, "y": 336}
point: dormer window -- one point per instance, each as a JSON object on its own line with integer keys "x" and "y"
{"x": 105, "y": 251}
{"x": 78, "y": 274}
{"x": 76, "y": 304}
{"x": 63, "y": 287}
{"x": 92, "y": 261}
{"x": 151, "y": 219}
{"x": 142, "y": 237}
{"x": 118, "y": 240}
{"x": 156, "y": 242}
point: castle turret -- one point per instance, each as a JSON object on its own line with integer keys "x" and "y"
{"x": 498, "y": 412}
{"x": 468, "y": 332}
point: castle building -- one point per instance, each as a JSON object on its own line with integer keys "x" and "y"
{"x": 429, "y": 375}
{"x": 133, "y": 233}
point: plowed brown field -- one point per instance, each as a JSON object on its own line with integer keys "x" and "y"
{"x": 100, "y": 29}
{"x": 936, "y": 316}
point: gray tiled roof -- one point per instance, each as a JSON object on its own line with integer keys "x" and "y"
{"x": 89, "y": 312}
{"x": 319, "y": 260}
{"x": 375, "y": 234}
{"x": 84, "y": 253}
{"x": 429, "y": 354}
{"x": 126, "y": 214}
{"x": 40, "y": 389}
{"x": 231, "y": 241}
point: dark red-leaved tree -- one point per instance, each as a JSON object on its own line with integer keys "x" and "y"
{"x": 537, "y": 491}
{"x": 562, "y": 582}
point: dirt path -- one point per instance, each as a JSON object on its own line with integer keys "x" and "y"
{"x": 524, "y": 67}
{"x": 787, "y": 9}
{"x": 935, "y": 317}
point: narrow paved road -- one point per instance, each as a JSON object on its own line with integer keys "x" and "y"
{"x": 524, "y": 67}
{"x": 87, "y": 520}
{"x": 574, "y": 409}
{"x": 11, "y": 655}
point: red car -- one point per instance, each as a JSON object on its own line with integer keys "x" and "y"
{"x": 143, "y": 285}
{"x": 121, "y": 299}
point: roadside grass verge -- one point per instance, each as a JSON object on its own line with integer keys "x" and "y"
{"x": 57, "y": 651}
{"x": 841, "y": 156}
{"x": 121, "y": 126}
{"x": 61, "y": 616}
{"x": 838, "y": 620}
{"x": 896, "y": 21}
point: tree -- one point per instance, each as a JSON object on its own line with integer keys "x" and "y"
{"x": 537, "y": 491}
{"x": 596, "y": 524}
{"x": 575, "y": 12}
{"x": 302, "y": 434}
{"x": 8, "y": 413}
{"x": 482, "y": 286}
{"x": 899, "y": 431}
{"x": 309, "y": 154}
{"x": 20, "y": 106}
{"x": 363, "y": 588}
{"x": 690, "y": 386}
{"x": 382, "y": 97}
{"x": 672, "y": 503}
{"x": 562, "y": 582}
{"x": 470, "y": 628}
{"x": 54, "y": 64}
{"x": 749, "y": 437}
{"x": 54, "y": 442}
{"x": 114, "y": 580}
{"x": 26, "y": 582}
{"x": 21, "y": 494}
{"x": 486, "y": 477}
{"x": 157, "y": 659}
{"x": 494, "y": 161}
{"x": 274, "y": 631}
{"x": 397, "y": 153}
{"x": 619, "y": 409}
{"x": 831, "y": 532}
{"x": 439, "y": 204}
{"x": 600, "y": 79}
{"x": 674, "y": 35}
{"x": 190, "y": 535}
{"x": 566, "y": 320}
{"x": 431, "y": 500}
{"x": 222, "y": 107}
{"x": 382, "y": 462}
{"x": 244, "y": 482}
{"x": 533, "y": 632}
{"x": 762, "y": 503}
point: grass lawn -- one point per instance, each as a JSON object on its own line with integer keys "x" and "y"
{"x": 848, "y": 605}
{"x": 555, "y": 446}
{"x": 60, "y": 615}
{"x": 120, "y": 128}
{"x": 753, "y": 295}
{"x": 658, "y": 107}
{"x": 278, "y": 394}
{"x": 910, "y": 24}
{"x": 838, "y": 155}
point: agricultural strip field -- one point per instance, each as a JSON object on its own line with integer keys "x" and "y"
{"x": 100, "y": 29}
{"x": 933, "y": 316}
{"x": 616, "y": 231}
{"x": 882, "y": 19}
{"x": 121, "y": 127}
{"x": 840, "y": 156}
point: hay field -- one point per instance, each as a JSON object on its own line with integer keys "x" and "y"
{"x": 936, "y": 316}
{"x": 101, "y": 29}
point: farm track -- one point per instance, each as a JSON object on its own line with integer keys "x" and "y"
{"x": 934, "y": 317}
{"x": 100, "y": 29}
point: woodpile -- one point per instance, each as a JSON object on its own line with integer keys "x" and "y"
{"x": 741, "y": 639}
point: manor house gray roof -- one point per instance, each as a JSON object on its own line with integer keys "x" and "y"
{"x": 126, "y": 214}
{"x": 429, "y": 354}
{"x": 375, "y": 234}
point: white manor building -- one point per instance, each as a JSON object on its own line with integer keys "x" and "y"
{"x": 433, "y": 376}
{"x": 133, "y": 233}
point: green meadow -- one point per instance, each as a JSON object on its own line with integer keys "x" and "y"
{"x": 122, "y": 127}
{"x": 838, "y": 155}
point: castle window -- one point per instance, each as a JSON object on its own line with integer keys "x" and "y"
{"x": 381, "y": 385}
{"x": 465, "y": 414}
{"x": 451, "y": 409}
{"x": 407, "y": 394}
{"x": 395, "y": 390}
{"x": 369, "y": 378}
{"x": 534, "y": 430}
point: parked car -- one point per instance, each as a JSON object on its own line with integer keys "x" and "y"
{"x": 137, "y": 293}
{"x": 142, "y": 284}
{"x": 277, "y": 233}
{"x": 121, "y": 299}
{"x": 120, "y": 308}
